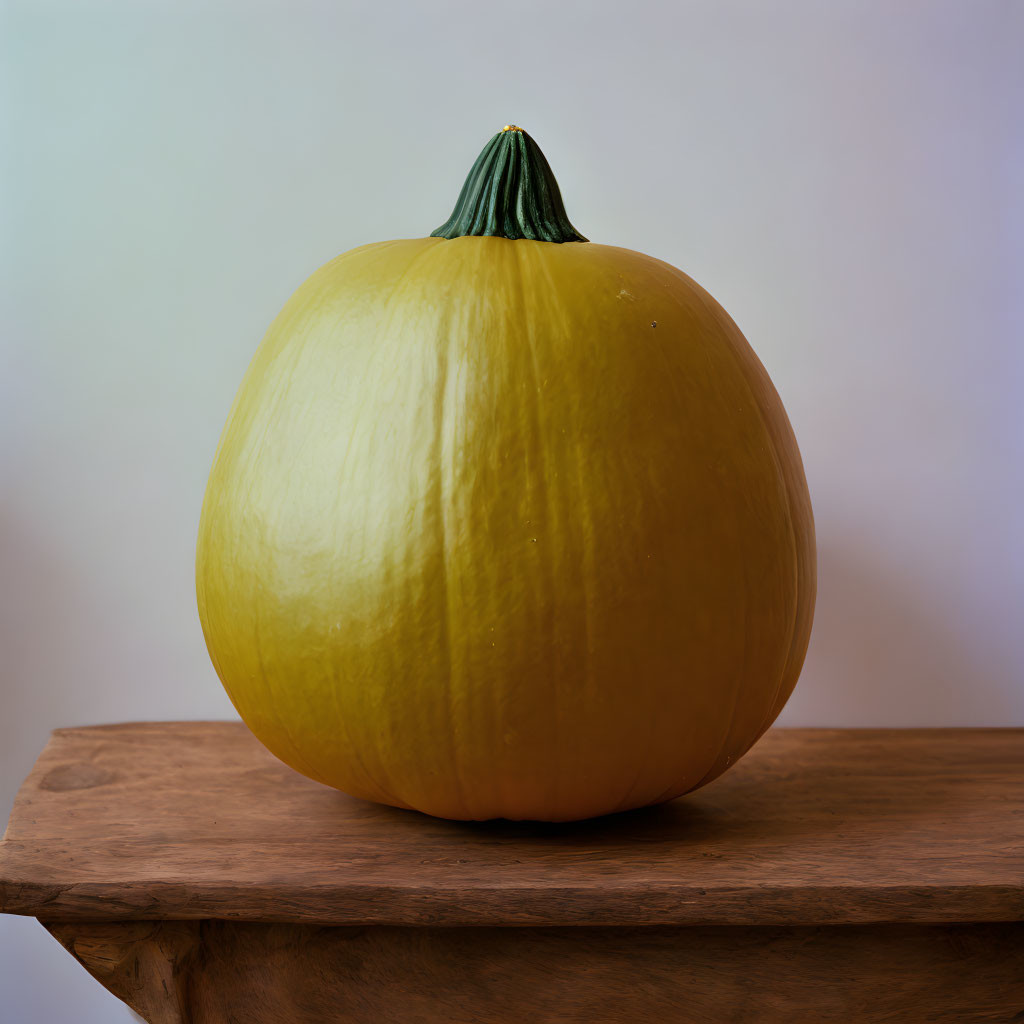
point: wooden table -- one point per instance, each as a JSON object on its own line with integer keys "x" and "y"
{"x": 833, "y": 875}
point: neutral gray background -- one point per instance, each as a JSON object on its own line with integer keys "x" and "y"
{"x": 838, "y": 174}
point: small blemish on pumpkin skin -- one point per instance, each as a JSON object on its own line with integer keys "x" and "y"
{"x": 654, "y": 323}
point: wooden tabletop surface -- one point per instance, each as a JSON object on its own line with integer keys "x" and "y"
{"x": 813, "y": 826}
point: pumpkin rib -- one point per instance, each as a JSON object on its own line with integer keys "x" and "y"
{"x": 297, "y": 345}
{"x": 561, "y": 259}
{"x": 654, "y": 269}
{"x": 385, "y": 790}
{"x": 629, "y": 800}
{"x": 533, "y": 407}
{"x": 733, "y": 334}
{"x": 556, "y": 310}
{"x": 626, "y": 802}
{"x": 482, "y": 694}
{"x": 287, "y": 315}
{"x": 440, "y": 502}
{"x": 394, "y": 309}
{"x": 783, "y": 444}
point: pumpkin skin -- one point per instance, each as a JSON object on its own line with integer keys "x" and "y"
{"x": 506, "y": 528}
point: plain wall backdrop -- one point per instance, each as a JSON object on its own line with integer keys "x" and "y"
{"x": 844, "y": 176}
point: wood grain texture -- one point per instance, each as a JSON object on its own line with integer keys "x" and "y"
{"x": 147, "y": 964}
{"x": 197, "y": 820}
{"x": 217, "y": 972}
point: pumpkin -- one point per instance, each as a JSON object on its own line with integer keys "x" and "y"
{"x": 506, "y": 523}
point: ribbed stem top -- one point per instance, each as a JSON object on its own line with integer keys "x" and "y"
{"x": 511, "y": 192}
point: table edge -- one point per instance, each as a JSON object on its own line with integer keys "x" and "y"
{"x": 551, "y": 905}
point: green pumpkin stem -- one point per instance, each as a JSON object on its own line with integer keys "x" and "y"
{"x": 511, "y": 192}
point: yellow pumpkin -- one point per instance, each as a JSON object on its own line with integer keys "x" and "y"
{"x": 506, "y": 523}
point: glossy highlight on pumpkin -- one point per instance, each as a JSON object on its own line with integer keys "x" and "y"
{"x": 506, "y": 528}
